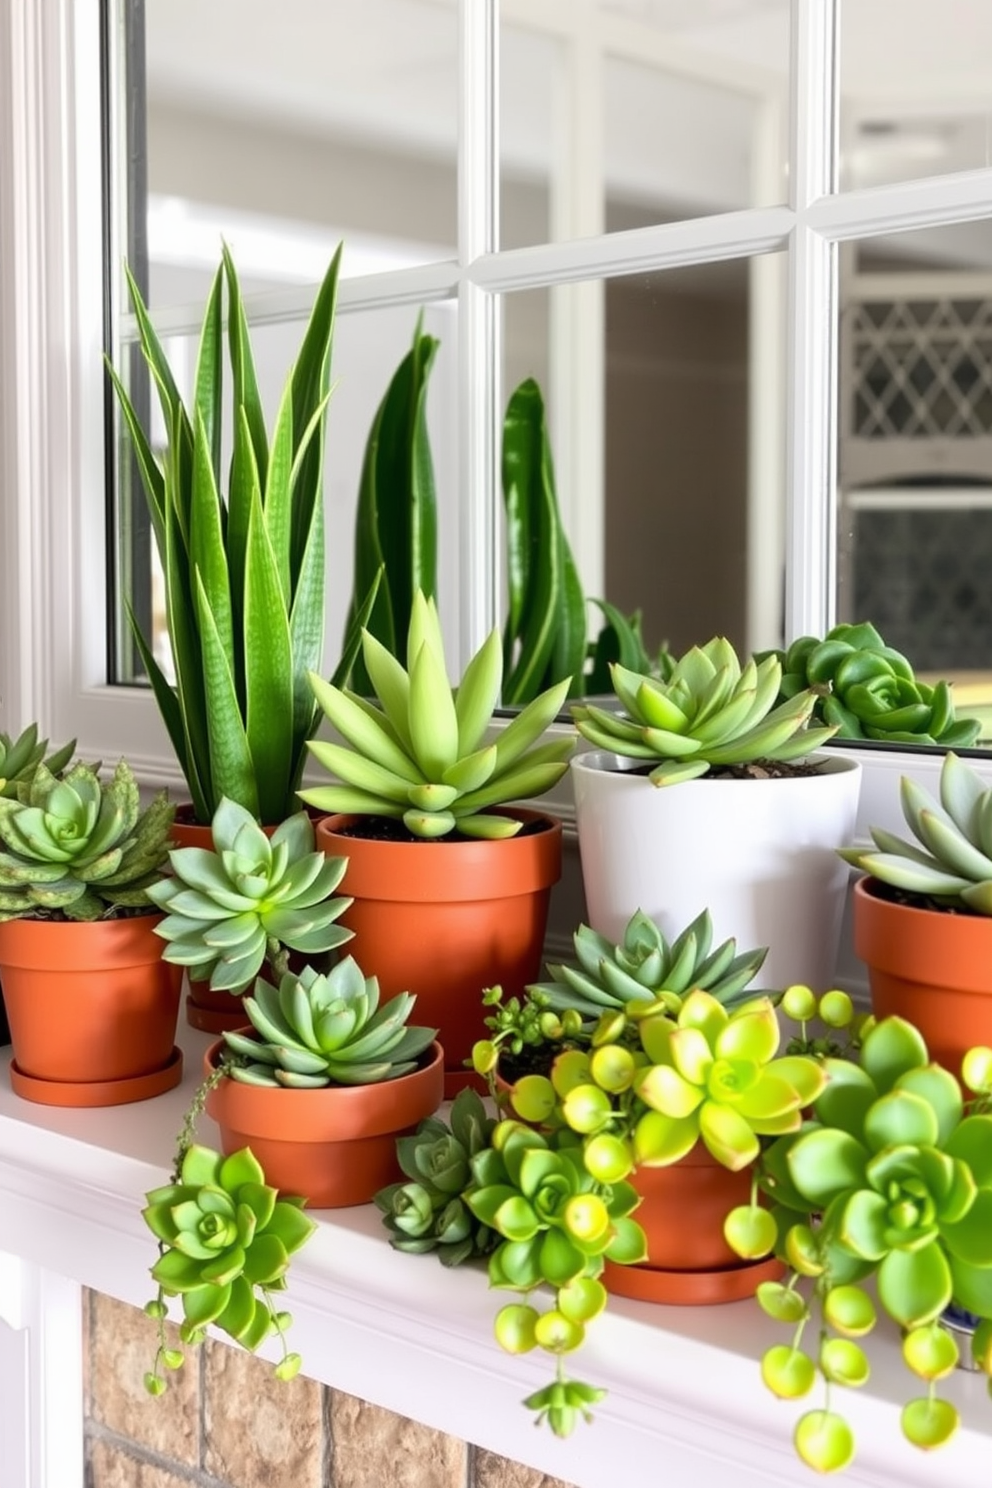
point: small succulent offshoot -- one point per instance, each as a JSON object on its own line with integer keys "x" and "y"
{"x": 710, "y": 711}
{"x": 417, "y": 752}
{"x": 20, "y": 757}
{"x": 79, "y": 848}
{"x": 232, "y": 908}
{"x": 951, "y": 858}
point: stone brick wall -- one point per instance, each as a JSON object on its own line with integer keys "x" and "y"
{"x": 296, "y": 1435}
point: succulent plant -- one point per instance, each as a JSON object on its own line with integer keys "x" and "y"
{"x": 557, "y": 1225}
{"x": 869, "y": 690}
{"x": 225, "y": 1239}
{"x": 645, "y": 967}
{"x": 711, "y": 711}
{"x": 951, "y": 860}
{"x": 891, "y": 1180}
{"x": 327, "y": 1030}
{"x": 79, "y": 847}
{"x": 231, "y": 908}
{"x": 20, "y": 757}
{"x": 429, "y": 1212}
{"x": 419, "y": 752}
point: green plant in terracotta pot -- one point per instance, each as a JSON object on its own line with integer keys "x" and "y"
{"x": 889, "y": 1181}
{"x": 437, "y": 857}
{"x": 79, "y": 859}
{"x": 701, "y": 790}
{"x": 923, "y": 913}
{"x": 242, "y": 557}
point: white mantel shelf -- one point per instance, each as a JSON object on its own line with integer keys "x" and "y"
{"x": 685, "y": 1394}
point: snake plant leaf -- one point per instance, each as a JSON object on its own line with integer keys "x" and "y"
{"x": 396, "y": 519}
{"x": 269, "y": 698}
{"x": 228, "y": 752}
{"x": 209, "y": 377}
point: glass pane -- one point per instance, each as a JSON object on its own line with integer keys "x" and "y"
{"x": 691, "y": 111}
{"x": 680, "y": 489}
{"x": 287, "y": 130}
{"x": 915, "y": 457}
{"x": 916, "y": 99}
{"x": 368, "y": 347}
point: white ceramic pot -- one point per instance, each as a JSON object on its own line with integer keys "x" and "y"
{"x": 759, "y": 854}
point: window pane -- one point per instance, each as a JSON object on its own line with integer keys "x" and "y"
{"x": 266, "y": 128}
{"x": 915, "y": 457}
{"x": 915, "y": 93}
{"x": 679, "y": 492}
{"x": 686, "y": 116}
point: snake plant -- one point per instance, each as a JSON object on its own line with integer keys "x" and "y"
{"x": 710, "y": 711}
{"x": 244, "y": 571}
{"x": 78, "y": 847}
{"x": 418, "y": 751}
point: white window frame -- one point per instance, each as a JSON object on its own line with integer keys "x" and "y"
{"x": 52, "y": 558}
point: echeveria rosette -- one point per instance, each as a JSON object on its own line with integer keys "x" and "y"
{"x": 713, "y": 1076}
{"x": 226, "y": 1238}
{"x": 644, "y": 966}
{"x": 558, "y": 1226}
{"x": 868, "y": 690}
{"x": 418, "y": 751}
{"x": 710, "y": 711}
{"x": 318, "y": 1030}
{"x": 891, "y": 1179}
{"x": 232, "y": 908}
{"x": 951, "y": 858}
{"x": 79, "y": 846}
{"x": 428, "y": 1212}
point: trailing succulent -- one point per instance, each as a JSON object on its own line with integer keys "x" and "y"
{"x": 645, "y": 967}
{"x": 951, "y": 859}
{"x": 79, "y": 848}
{"x": 225, "y": 1239}
{"x": 321, "y": 1030}
{"x": 709, "y": 712}
{"x": 417, "y": 752}
{"x": 891, "y": 1179}
{"x": 428, "y": 1212}
{"x": 868, "y": 690}
{"x": 20, "y": 757}
{"x": 231, "y": 908}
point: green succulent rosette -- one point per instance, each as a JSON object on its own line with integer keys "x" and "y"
{"x": 317, "y": 1030}
{"x": 868, "y": 690}
{"x": 78, "y": 846}
{"x": 226, "y": 1238}
{"x": 709, "y": 711}
{"x": 232, "y": 907}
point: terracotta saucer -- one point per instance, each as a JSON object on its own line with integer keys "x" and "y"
{"x": 691, "y": 1288}
{"x": 81, "y": 1093}
{"x": 214, "y": 1020}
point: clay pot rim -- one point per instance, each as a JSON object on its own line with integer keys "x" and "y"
{"x": 621, "y": 768}
{"x": 330, "y": 1112}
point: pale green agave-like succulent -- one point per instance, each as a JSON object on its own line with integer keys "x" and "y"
{"x": 952, "y": 856}
{"x": 327, "y": 1030}
{"x": 79, "y": 846}
{"x": 230, "y": 909}
{"x": 20, "y": 757}
{"x": 419, "y": 752}
{"x": 710, "y": 711}
{"x": 645, "y": 970}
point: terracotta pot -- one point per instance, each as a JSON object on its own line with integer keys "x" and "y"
{"x": 932, "y": 968}
{"x": 92, "y": 1009}
{"x": 445, "y": 920}
{"x": 682, "y": 1212}
{"x": 335, "y": 1146}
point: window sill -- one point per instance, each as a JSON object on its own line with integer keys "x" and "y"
{"x": 408, "y": 1335}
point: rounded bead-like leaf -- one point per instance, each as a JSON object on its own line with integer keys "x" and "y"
{"x": 824, "y": 1441}
{"x": 788, "y": 1372}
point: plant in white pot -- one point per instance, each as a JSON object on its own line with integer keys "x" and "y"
{"x": 450, "y": 883}
{"x": 701, "y": 792}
